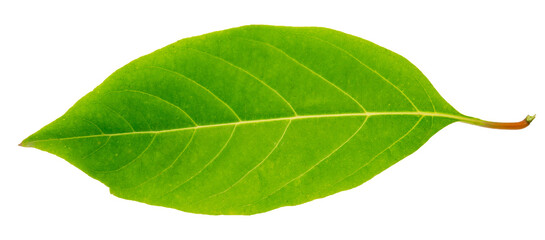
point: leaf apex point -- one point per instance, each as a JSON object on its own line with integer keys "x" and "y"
{"x": 24, "y": 144}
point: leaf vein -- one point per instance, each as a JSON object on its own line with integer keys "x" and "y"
{"x": 92, "y": 123}
{"x": 313, "y": 166}
{"x": 133, "y": 160}
{"x": 169, "y": 166}
{"x": 248, "y": 73}
{"x": 310, "y": 70}
{"x": 367, "y": 66}
{"x": 204, "y": 167}
{"x": 203, "y": 87}
{"x": 118, "y": 114}
{"x": 370, "y": 114}
{"x": 380, "y": 153}
{"x": 165, "y": 101}
{"x": 96, "y": 150}
{"x": 255, "y": 167}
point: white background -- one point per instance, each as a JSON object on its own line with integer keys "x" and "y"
{"x": 486, "y": 58}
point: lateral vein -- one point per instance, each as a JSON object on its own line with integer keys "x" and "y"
{"x": 371, "y": 69}
{"x": 311, "y": 71}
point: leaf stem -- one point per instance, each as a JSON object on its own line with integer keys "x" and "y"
{"x": 502, "y": 125}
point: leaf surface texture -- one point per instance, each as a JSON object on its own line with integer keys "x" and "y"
{"x": 249, "y": 119}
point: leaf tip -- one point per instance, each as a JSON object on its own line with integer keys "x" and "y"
{"x": 25, "y": 144}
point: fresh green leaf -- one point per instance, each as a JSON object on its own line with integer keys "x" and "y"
{"x": 250, "y": 119}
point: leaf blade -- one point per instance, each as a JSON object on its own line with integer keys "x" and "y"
{"x": 249, "y": 119}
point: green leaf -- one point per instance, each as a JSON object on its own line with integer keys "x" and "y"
{"x": 250, "y": 119}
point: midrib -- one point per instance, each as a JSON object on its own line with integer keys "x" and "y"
{"x": 368, "y": 114}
